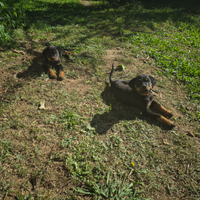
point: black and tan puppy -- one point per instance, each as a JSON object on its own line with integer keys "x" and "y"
{"x": 52, "y": 55}
{"x": 137, "y": 93}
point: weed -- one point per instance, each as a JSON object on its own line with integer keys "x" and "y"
{"x": 5, "y": 149}
{"x": 112, "y": 189}
{"x": 69, "y": 118}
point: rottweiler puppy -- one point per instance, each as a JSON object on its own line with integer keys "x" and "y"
{"x": 137, "y": 93}
{"x": 52, "y": 55}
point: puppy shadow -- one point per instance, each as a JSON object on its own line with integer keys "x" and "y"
{"x": 35, "y": 69}
{"x": 116, "y": 112}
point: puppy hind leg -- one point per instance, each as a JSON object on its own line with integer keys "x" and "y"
{"x": 67, "y": 53}
{"x": 161, "y": 109}
{"x": 166, "y": 121}
{"x": 159, "y": 118}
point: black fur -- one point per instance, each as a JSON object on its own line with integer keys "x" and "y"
{"x": 137, "y": 93}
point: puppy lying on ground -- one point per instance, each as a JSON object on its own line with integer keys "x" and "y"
{"x": 52, "y": 55}
{"x": 137, "y": 93}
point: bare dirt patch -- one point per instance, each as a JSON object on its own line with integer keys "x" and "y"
{"x": 77, "y": 84}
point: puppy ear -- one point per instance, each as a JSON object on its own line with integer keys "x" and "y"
{"x": 153, "y": 81}
{"x": 45, "y": 51}
{"x": 132, "y": 83}
{"x": 60, "y": 50}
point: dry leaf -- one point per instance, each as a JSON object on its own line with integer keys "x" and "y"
{"x": 190, "y": 134}
{"x": 19, "y": 51}
{"x": 41, "y": 106}
{"x": 165, "y": 142}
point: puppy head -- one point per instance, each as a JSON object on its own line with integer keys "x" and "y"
{"x": 142, "y": 84}
{"x": 52, "y": 54}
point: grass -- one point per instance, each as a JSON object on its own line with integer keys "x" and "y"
{"x": 85, "y": 144}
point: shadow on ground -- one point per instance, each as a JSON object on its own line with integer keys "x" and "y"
{"x": 35, "y": 69}
{"x": 133, "y": 16}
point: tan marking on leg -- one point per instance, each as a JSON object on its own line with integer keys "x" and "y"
{"x": 67, "y": 53}
{"x": 58, "y": 64}
{"x": 149, "y": 104}
{"x": 51, "y": 73}
{"x": 166, "y": 121}
{"x": 60, "y": 75}
{"x": 163, "y": 110}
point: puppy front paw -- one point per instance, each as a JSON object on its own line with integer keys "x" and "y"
{"x": 51, "y": 73}
{"x": 60, "y": 75}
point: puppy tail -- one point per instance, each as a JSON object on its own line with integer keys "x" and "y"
{"x": 111, "y": 79}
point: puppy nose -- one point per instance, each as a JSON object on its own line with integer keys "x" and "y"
{"x": 144, "y": 86}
